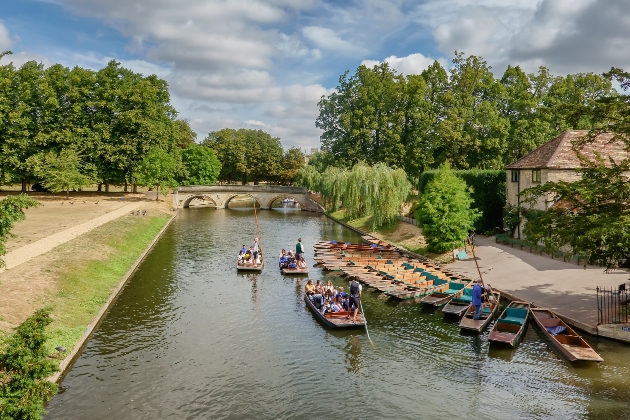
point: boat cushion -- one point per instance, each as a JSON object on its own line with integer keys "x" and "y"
{"x": 466, "y": 297}
{"x": 438, "y": 281}
{"x": 556, "y": 330}
{"x": 486, "y": 311}
{"x": 512, "y": 320}
{"x": 453, "y": 285}
{"x": 516, "y": 312}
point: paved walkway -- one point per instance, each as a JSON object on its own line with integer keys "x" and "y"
{"x": 32, "y": 250}
{"x": 566, "y": 288}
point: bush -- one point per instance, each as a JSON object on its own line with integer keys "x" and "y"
{"x": 445, "y": 212}
{"x": 488, "y": 193}
{"x": 24, "y": 368}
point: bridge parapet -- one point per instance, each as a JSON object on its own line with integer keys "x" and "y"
{"x": 265, "y": 195}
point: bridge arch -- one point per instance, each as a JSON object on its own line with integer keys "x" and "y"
{"x": 186, "y": 202}
{"x": 283, "y": 196}
{"x": 231, "y": 196}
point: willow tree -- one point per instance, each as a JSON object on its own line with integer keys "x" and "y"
{"x": 309, "y": 177}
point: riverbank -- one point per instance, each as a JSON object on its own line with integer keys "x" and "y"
{"x": 76, "y": 278}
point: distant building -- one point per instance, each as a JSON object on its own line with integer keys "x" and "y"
{"x": 308, "y": 156}
{"x": 556, "y": 161}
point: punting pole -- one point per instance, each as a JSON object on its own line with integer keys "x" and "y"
{"x": 472, "y": 248}
{"x": 365, "y": 322}
{"x": 258, "y": 231}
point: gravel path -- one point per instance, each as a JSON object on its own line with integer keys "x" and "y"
{"x": 27, "y": 252}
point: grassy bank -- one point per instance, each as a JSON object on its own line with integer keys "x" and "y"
{"x": 399, "y": 233}
{"x": 85, "y": 282}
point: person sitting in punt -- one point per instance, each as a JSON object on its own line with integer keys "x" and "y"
{"x": 335, "y": 306}
{"x": 329, "y": 286}
{"x": 239, "y": 259}
{"x": 309, "y": 288}
{"x": 319, "y": 288}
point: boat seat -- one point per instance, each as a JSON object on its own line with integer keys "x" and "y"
{"x": 465, "y": 298}
{"x": 454, "y": 287}
{"x": 438, "y": 281}
{"x": 486, "y": 311}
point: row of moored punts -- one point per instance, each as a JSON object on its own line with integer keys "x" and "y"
{"x": 378, "y": 265}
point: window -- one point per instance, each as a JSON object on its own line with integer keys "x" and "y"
{"x": 515, "y": 174}
{"x": 535, "y": 175}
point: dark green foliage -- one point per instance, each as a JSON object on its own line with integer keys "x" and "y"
{"x": 24, "y": 368}
{"x": 445, "y": 212}
{"x": 592, "y": 216}
{"x": 11, "y": 211}
{"x": 511, "y": 217}
{"x": 488, "y": 193}
{"x": 159, "y": 169}
{"x": 201, "y": 165}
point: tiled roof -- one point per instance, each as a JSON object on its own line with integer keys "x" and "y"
{"x": 559, "y": 153}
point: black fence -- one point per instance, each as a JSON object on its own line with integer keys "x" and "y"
{"x": 613, "y": 304}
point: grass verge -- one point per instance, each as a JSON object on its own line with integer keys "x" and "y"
{"x": 84, "y": 284}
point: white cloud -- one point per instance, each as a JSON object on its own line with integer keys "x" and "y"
{"x": 411, "y": 64}
{"x": 5, "y": 40}
{"x": 327, "y": 39}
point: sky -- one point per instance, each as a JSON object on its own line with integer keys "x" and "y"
{"x": 266, "y": 64}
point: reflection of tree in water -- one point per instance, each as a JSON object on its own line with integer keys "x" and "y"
{"x": 353, "y": 354}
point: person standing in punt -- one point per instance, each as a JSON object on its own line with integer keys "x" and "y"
{"x": 255, "y": 251}
{"x": 477, "y": 298}
{"x": 355, "y": 298}
{"x": 299, "y": 250}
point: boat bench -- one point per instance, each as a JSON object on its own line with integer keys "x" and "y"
{"x": 454, "y": 287}
{"x": 515, "y": 316}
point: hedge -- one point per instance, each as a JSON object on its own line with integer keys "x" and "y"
{"x": 488, "y": 192}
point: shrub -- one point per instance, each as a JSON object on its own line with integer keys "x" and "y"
{"x": 488, "y": 193}
{"x": 445, "y": 211}
{"x": 24, "y": 368}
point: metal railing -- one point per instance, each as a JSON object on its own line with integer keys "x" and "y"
{"x": 613, "y": 304}
{"x": 408, "y": 220}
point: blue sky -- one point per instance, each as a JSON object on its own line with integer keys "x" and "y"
{"x": 265, "y": 64}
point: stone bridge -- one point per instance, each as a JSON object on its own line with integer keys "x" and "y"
{"x": 265, "y": 195}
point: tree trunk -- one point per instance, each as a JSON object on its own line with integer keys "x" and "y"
{"x": 125, "y": 190}
{"x": 135, "y": 189}
{"x": 107, "y": 185}
{"x": 23, "y": 185}
{"x": 244, "y": 180}
{"x": 157, "y": 193}
{"x": 100, "y": 187}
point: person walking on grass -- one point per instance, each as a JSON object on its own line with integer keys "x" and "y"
{"x": 477, "y": 298}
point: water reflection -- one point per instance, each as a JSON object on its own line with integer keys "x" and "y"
{"x": 191, "y": 338}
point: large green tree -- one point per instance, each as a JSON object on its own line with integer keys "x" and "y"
{"x": 63, "y": 171}
{"x": 229, "y": 146}
{"x": 200, "y": 164}
{"x": 159, "y": 169}
{"x": 445, "y": 212}
{"x": 292, "y": 162}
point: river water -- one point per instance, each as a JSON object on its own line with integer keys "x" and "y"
{"x": 190, "y": 338}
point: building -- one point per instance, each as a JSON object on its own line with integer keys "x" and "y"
{"x": 556, "y": 161}
{"x": 308, "y": 156}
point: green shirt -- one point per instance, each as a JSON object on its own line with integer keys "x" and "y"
{"x": 299, "y": 248}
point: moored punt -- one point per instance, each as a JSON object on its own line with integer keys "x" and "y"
{"x": 337, "y": 319}
{"x": 487, "y": 314}
{"x": 440, "y": 298}
{"x": 511, "y": 324}
{"x": 458, "y": 304}
{"x": 563, "y": 338}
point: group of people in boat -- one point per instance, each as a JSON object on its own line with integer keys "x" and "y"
{"x": 328, "y": 298}
{"x": 290, "y": 260}
{"x": 249, "y": 256}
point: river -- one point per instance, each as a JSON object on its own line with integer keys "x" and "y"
{"x": 190, "y": 338}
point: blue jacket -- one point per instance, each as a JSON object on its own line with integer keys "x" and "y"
{"x": 476, "y": 295}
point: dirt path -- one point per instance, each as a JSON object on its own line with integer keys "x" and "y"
{"x": 23, "y": 254}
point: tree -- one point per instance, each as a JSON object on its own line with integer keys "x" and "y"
{"x": 263, "y": 156}
{"x": 591, "y": 216}
{"x": 11, "y": 211}
{"x": 292, "y": 162}
{"x": 229, "y": 147}
{"x": 322, "y": 160}
{"x": 183, "y": 134}
{"x": 159, "y": 169}
{"x": 201, "y": 165}
{"x": 445, "y": 212}
{"x": 24, "y": 367}
{"x": 63, "y": 171}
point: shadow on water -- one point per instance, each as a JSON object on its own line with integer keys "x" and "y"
{"x": 191, "y": 338}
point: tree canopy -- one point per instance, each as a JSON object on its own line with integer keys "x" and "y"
{"x": 200, "y": 165}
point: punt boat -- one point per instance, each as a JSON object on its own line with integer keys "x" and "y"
{"x": 338, "y": 319}
{"x": 511, "y": 324}
{"x": 487, "y": 315}
{"x": 250, "y": 267}
{"x": 293, "y": 271}
{"x": 563, "y": 338}
{"x": 459, "y": 303}
{"x": 440, "y": 298}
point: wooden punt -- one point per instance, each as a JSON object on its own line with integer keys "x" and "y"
{"x": 439, "y": 298}
{"x": 336, "y": 320}
{"x": 511, "y": 324}
{"x": 459, "y": 304}
{"x": 293, "y": 271}
{"x": 563, "y": 338}
{"x": 251, "y": 267}
{"x": 487, "y": 315}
